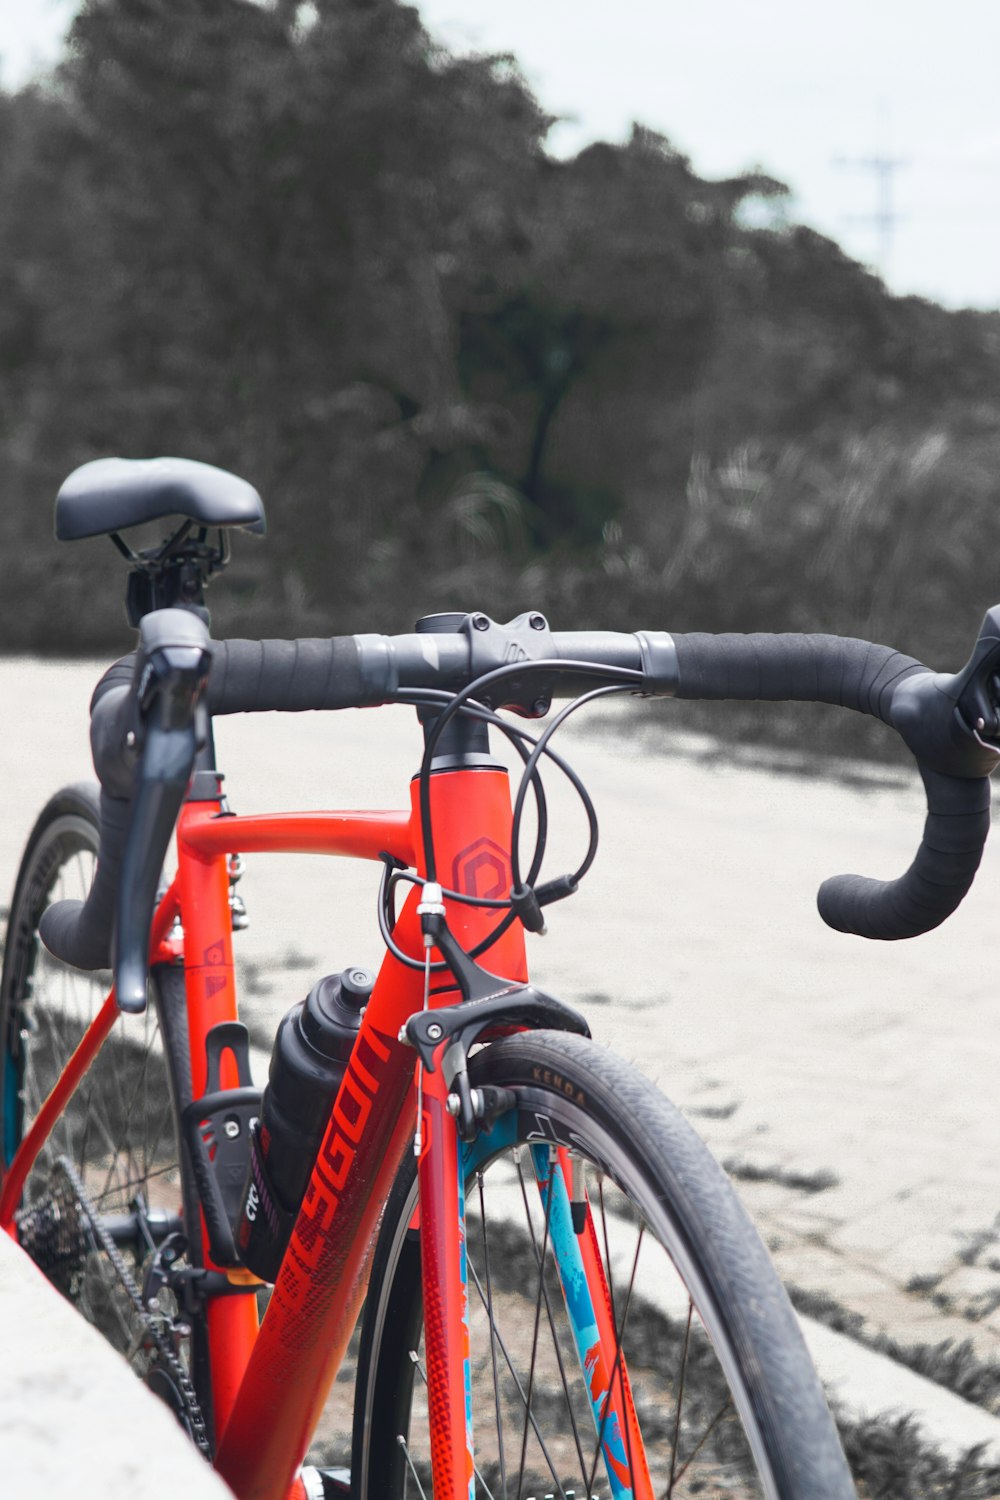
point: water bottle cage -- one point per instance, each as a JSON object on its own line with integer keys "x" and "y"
{"x": 217, "y": 1129}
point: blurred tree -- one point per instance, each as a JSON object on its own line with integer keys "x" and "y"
{"x": 306, "y": 243}
{"x": 278, "y": 204}
{"x": 621, "y": 293}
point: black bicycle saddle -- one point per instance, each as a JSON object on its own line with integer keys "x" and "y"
{"x": 111, "y": 494}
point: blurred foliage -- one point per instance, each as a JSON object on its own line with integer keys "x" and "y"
{"x": 307, "y": 244}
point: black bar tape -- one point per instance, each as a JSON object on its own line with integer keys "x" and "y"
{"x": 79, "y": 932}
{"x": 958, "y": 820}
{"x": 119, "y": 674}
{"x": 281, "y": 676}
{"x": 862, "y": 676}
{"x": 289, "y": 676}
{"x": 808, "y": 668}
{"x": 113, "y": 714}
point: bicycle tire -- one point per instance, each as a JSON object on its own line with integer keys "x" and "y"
{"x": 736, "y": 1340}
{"x": 119, "y": 1130}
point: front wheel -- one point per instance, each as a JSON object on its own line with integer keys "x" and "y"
{"x": 650, "y": 1265}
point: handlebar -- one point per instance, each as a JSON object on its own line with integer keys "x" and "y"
{"x": 152, "y": 700}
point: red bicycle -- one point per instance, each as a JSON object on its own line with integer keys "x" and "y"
{"x": 539, "y": 1279}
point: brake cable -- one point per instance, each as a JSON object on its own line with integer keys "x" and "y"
{"x": 623, "y": 675}
{"x": 394, "y": 872}
{"x": 524, "y": 902}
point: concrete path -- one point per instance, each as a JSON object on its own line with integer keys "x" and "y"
{"x": 73, "y": 1419}
{"x": 850, "y": 1086}
{"x": 867, "y": 1384}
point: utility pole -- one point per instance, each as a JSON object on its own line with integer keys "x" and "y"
{"x": 883, "y": 168}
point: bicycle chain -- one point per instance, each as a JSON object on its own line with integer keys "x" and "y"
{"x": 161, "y": 1340}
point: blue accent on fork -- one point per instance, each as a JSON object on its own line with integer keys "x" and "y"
{"x": 572, "y": 1277}
{"x": 582, "y": 1317}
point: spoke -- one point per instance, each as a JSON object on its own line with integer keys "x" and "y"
{"x": 543, "y": 1292}
{"x": 101, "y": 1128}
{"x": 517, "y": 1382}
{"x": 616, "y": 1363}
{"x": 96, "y": 1120}
{"x": 406, "y": 1454}
{"x": 162, "y": 1122}
{"x": 726, "y": 1406}
{"x": 493, "y": 1341}
{"x": 607, "y": 1250}
{"x": 534, "y": 1340}
{"x": 555, "y": 1341}
{"x": 156, "y": 1132}
{"x": 85, "y": 1097}
{"x": 134, "y": 1160}
{"x": 124, "y": 1069}
{"x": 138, "y": 1182}
{"x": 680, "y": 1399}
{"x": 155, "y": 1045}
{"x": 111, "y": 1054}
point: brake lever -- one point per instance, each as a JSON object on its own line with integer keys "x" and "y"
{"x": 172, "y": 667}
{"x": 976, "y": 686}
{"x": 950, "y": 721}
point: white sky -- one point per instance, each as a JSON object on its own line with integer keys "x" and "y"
{"x": 799, "y": 87}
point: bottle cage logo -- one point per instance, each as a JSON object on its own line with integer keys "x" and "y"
{"x": 481, "y": 869}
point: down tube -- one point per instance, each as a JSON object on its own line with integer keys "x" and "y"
{"x": 323, "y": 1277}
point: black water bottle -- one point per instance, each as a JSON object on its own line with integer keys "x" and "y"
{"x": 310, "y": 1055}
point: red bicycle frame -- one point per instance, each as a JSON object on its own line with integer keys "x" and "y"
{"x": 269, "y": 1383}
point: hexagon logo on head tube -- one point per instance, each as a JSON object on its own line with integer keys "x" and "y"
{"x": 482, "y": 869}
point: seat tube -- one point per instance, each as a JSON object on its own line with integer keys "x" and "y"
{"x": 211, "y": 998}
